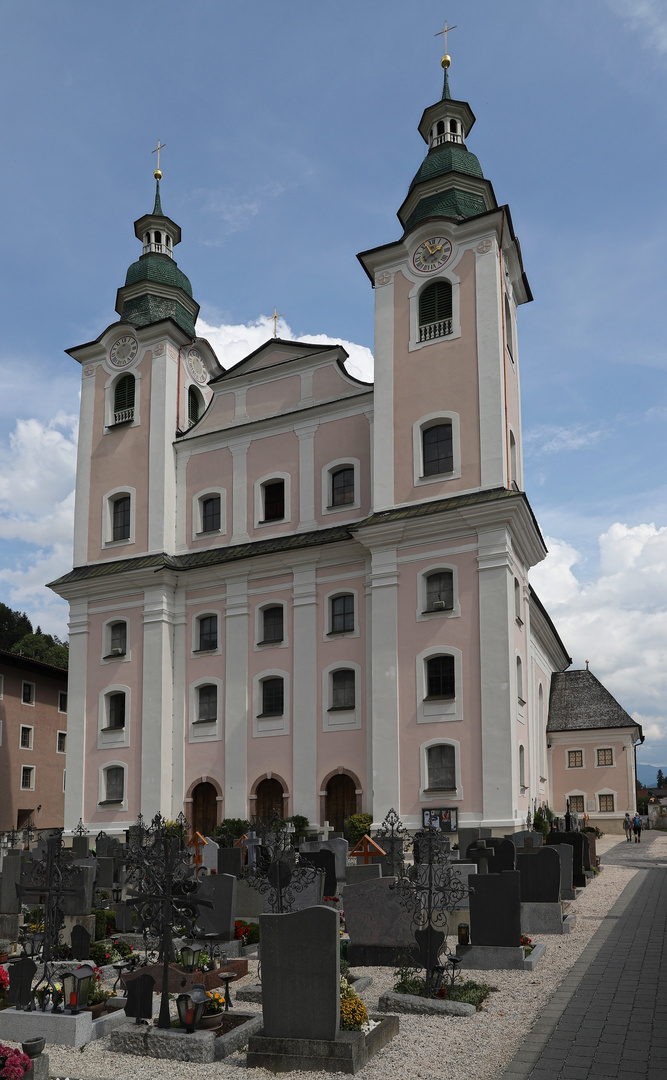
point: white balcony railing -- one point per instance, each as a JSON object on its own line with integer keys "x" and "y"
{"x": 159, "y": 249}
{"x": 441, "y": 328}
{"x": 447, "y": 137}
{"x": 123, "y": 416}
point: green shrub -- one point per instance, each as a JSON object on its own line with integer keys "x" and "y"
{"x": 253, "y": 933}
{"x": 105, "y": 922}
{"x": 540, "y": 822}
{"x": 472, "y": 993}
{"x": 103, "y": 952}
{"x": 594, "y": 830}
{"x": 230, "y": 830}
{"x": 357, "y": 826}
{"x": 300, "y": 824}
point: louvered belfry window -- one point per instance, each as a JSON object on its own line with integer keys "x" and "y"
{"x": 435, "y": 302}
{"x": 193, "y": 405}
{"x": 124, "y": 394}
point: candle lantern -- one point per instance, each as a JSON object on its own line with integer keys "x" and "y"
{"x": 190, "y": 956}
{"x": 191, "y": 1007}
{"x": 76, "y": 986}
{"x": 464, "y": 933}
{"x": 116, "y": 892}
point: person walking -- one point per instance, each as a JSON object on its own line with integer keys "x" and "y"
{"x": 627, "y": 826}
{"x": 637, "y": 828}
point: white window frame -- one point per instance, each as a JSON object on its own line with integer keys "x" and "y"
{"x": 109, "y": 394}
{"x": 198, "y": 532}
{"x": 113, "y": 737}
{"x": 205, "y": 613}
{"x": 613, "y": 758}
{"x": 327, "y": 493}
{"x": 204, "y": 731}
{"x": 260, "y": 523}
{"x": 439, "y": 796}
{"x": 434, "y": 712}
{"x": 102, "y": 805}
{"x": 107, "y": 516}
{"x": 263, "y": 726}
{"x": 31, "y": 744}
{"x": 341, "y": 719}
{"x": 63, "y": 712}
{"x": 575, "y": 749}
{"x": 261, "y": 645}
{"x": 107, "y": 658}
{"x": 422, "y": 614}
{"x": 415, "y": 293}
{"x": 329, "y": 634}
{"x": 58, "y": 734}
{"x": 33, "y": 770}
{"x": 30, "y": 704}
{"x": 446, "y": 416}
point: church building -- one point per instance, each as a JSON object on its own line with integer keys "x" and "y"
{"x": 294, "y": 590}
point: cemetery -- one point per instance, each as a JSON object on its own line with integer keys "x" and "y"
{"x": 298, "y": 956}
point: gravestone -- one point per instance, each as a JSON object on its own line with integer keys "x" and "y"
{"x": 209, "y": 855}
{"x": 301, "y": 974}
{"x": 102, "y": 844}
{"x": 466, "y": 837}
{"x": 11, "y": 874}
{"x": 356, "y": 874}
{"x": 587, "y": 838}
{"x": 21, "y": 974}
{"x": 379, "y": 925}
{"x": 249, "y": 902}
{"x": 326, "y": 861}
{"x": 499, "y": 854}
{"x": 140, "y": 998}
{"x": 311, "y": 894}
{"x": 80, "y": 847}
{"x": 540, "y": 876}
{"x": 80, "y": 939}
{"x": 495, "y": 909}
{"x": 217, "y": 921}
{"x": 565, "y": 852}
{"x": 576, "y": 841}
{"x": 230, "y": 861}
{"x": 123, "y": 919}
{"x": 105, "y": 873}
{"x": 340, "y": 848}
{"x": 520, "y": 838}
{"x": 83, "y": 877}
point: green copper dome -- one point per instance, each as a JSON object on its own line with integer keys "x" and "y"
{"x": 159, "y": 268}
{"x": 446, "y": 159}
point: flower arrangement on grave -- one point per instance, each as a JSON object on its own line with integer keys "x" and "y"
{"x": 54, "y": 991}
{"x": 13, "y": 1064}
{"x": 353, "y": 1014}
{"x": 204, "y": 962}
{"x": 241, "y": 930}
{"x": 527, "y": 944}
{"x": 110, "y": 952}
{"x": 96, "y": 995}
{"x": 215, "y": 1003}
{"x": 4, "y": 988}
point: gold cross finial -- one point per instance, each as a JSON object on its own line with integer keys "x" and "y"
{"x": 446, "y": 60}
{"x": 276, "y": 315}
{"x": 160, "y": 146}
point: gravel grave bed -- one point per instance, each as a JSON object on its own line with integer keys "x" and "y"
{"x": 429, "y": 1048}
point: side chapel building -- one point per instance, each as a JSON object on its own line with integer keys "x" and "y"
{"x": 296, "y": 590}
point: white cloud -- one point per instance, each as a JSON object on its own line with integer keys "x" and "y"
{"x": 647, "y": 17}
{"x": 549, "y": 439}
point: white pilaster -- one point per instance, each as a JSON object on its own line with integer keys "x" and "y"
{"x": 75, "y": 760}
{"x": 383, "y": 399}
{"x": 490, "y": 368}
{"x": 156, "y": 722}
{"x": 161, "y": 464}
{"x": 179, "y": 697}
{"x": 306, "y": 436}
{"x": 305, "y": 785}
{"x": 236, "y": 697}
{"x": 84, "y": 456}
{"x": 384, "y": 678}
{"x": 239, "y": 450}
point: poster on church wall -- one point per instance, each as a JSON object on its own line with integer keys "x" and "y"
{"x": 445, "y": 819}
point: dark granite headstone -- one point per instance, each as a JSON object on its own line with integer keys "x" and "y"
{"x": 105, "y": 873}
{"x": 379, "y": 925}
{"x": 140, "y": 998}
{"x": 217, "y": 921}
{"x": 521, "y": 838}
{"x": 102, "y": 842}
{"x": 565, "y": 851}
{"x": 576, "y": 841}
{"x": 301, "y": 974}
{"x": 230, "y": 861}
{"x": 123, "y": 919}
{"x": 466, "y": 837}
{"x": 540, "y": 876}
{"x": 586, "y": 837}
{"x": 495, "y": 909}
{"x": 80, "y": 943}
{"x": 21, "y": 974}
{"x": 11, "y": 873}
{"x": 340, "y": 848}
{"x": 503, "y": 855}
{"x": 324, "y": 860}
{"x": 84, "y": 877}
{"x": 80, "y": 847}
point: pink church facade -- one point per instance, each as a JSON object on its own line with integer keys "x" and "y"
{"x": 294, "y": 590}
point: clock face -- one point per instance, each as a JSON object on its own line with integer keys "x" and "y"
{"x": 123, "y": 351}
{"x": 197, "y": 367}
{"x": 432, "y": 254}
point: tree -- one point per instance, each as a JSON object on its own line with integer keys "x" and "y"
{"x": 43, "y": 647}
{"x": 13, "y": 626}
{"x": 660, "y": 779}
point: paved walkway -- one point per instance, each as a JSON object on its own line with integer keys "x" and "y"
{"x": 609, "y": 1017}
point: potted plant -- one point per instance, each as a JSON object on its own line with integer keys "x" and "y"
{"x": 213, "y": 1009}
{"x": 4, "y": 988}
{"x": 13, "y": 1064}
{"x": 97, "y": 997}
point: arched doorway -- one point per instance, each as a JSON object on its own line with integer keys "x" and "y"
{"x": 269, "y": 799}
{"x": 204, "y": 809}
{"x": 341, "y": 800}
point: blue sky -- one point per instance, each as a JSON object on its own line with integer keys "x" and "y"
{"x": 291, "y": 140}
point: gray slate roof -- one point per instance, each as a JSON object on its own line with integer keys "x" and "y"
{"x": 579, "y": 702}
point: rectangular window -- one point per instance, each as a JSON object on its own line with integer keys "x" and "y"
{"x": 27, "y": 778}
{"x": 115, "y": 784}
{"x": 64, "y": 777}
{"x": 61, "y": 742}
{"x": 274, "y": 500}
{"x": 577, "y": 804}
{"x": 272, "y": 623}
{"x": 343, "y": 689}
{"x": 342, "y": 487}
{"x": 342, "y": 614}
{"x": 575, "y": 759}
{"x": 605, "y": 757}
{"x": 440, "y": 591}
{"x": 606, "y": 802}
{"x": 118, "y": 639}
{"x": 26, "y": 738}
{"x": 441, "y": 768}
{"x": 273, "y": 696}
{"x": 207, "y": 711}
{"x": 438, "y": 451}
{"x": 208, "y": 633}
{"x": 28, "y": 693}
{"x": 62, "y": 701}
{"x": 121, "y": 518}
{"x": 116, "y": 710}
{"x": 440, "y": 677}
{"x": 210, "y": 514}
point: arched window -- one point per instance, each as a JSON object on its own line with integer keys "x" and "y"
{"x": 121, "y": 518}
{"x": 208, "y": 633}
{"x": 441, "y": 768}
{"x": 273, "y": 697}
{"x": 117, "y": 638}
{"x": 116, "y": 710}
{"x": 210, "y": 514}
{"x": 340, "y": 801}
{"x": 519, "y": 681}
{"x": 114, "y": 784}
{"x": 273, "y": 497}
{"x": 440, "y": 591}
{"x": 123, "y": 400}
{"x": 435, "y": 310}
{"x": 513, "y": 472}
{"x": 453, "y": 126}
{"x": 440, "y": 678}
{"x": 522, "y": 768}
{"x": 342, "y": 614}
{"x": 158, "y": 237}
{"x": 343, "y": 689}
{"x": 437, "y": 449}
{"x": 440, "y": 127}
{"x": 269, "y": 799}
{"x": 517, "y": 602}
{"x": 194, "y": 405}
{"x": 509, "y": 333}
{"x": 342, "y": 486}
{"x": 207, "y": 704}
{"x": 272, "y": 624}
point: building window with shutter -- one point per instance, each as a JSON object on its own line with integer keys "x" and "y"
{"x": 123, "y": 400}
{"x": 575, "y": 759}
{"x": 606, "y": 803}
{"x": 440, "y": 591}
{"x": 577, "y": 804}
{"x": 605, "y": 757}
{"x": 435, "y": 310}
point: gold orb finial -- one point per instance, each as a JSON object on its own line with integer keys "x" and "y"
{"x": 446, "y": 61}
{"x": 157, "y": 174}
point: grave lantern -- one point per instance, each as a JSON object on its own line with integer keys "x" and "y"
{"x": 464, "y": 933}
{"x": 190, "y": 956}
{"x": 116, "y": 892}
{"x": 76, "y": 985}
{"x": 191, "y": 1007}
{"x": 32, "y": 943}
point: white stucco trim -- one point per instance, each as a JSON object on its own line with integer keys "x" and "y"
{"x": 433, "y": 712}
{"x": 490, "y": 368}
{"x": 115, "y": 736}
{"x": 383, "y": 401}
{"x": 263, "y": 726}
{"x": 236, "y": 695}
{"x": 195, "y": 617}
{"x": 304, "y": 706}
{"x": 239, "y": 452}
{"x": 439, "y": 796}
{"x": 116, "y": 807}
{"x": 107, "y": 516}
{"x": 80, "y": 776}
{"x": 422, "y": 615}
{"x": 259, "y": 645}
{"x": 421, "y": 425}
{"x": 520, "y": 692}
{"x": 341, "y": 719}
{"x": 415, "y": 292}
{"x": 198, "y": 532}
{"x": 106, "y": 658}
{"x": 305, "y": 433}
{"x": 328, "y": 634}
{"x": 327, "y": 472}
{"x": 260, "y": 523}
{"x": 198, "y": 731}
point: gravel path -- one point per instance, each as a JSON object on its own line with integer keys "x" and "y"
{"x": 429, "y": 1048}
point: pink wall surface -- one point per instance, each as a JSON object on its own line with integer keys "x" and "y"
{"x": 335, "y": 440}
{"x": 213, "y": 468}
{"x": 329, "y": 382}
{"x": 268, "y": 398}
{"x": 591, "y": 778}
{"x": 279, "y": 453}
